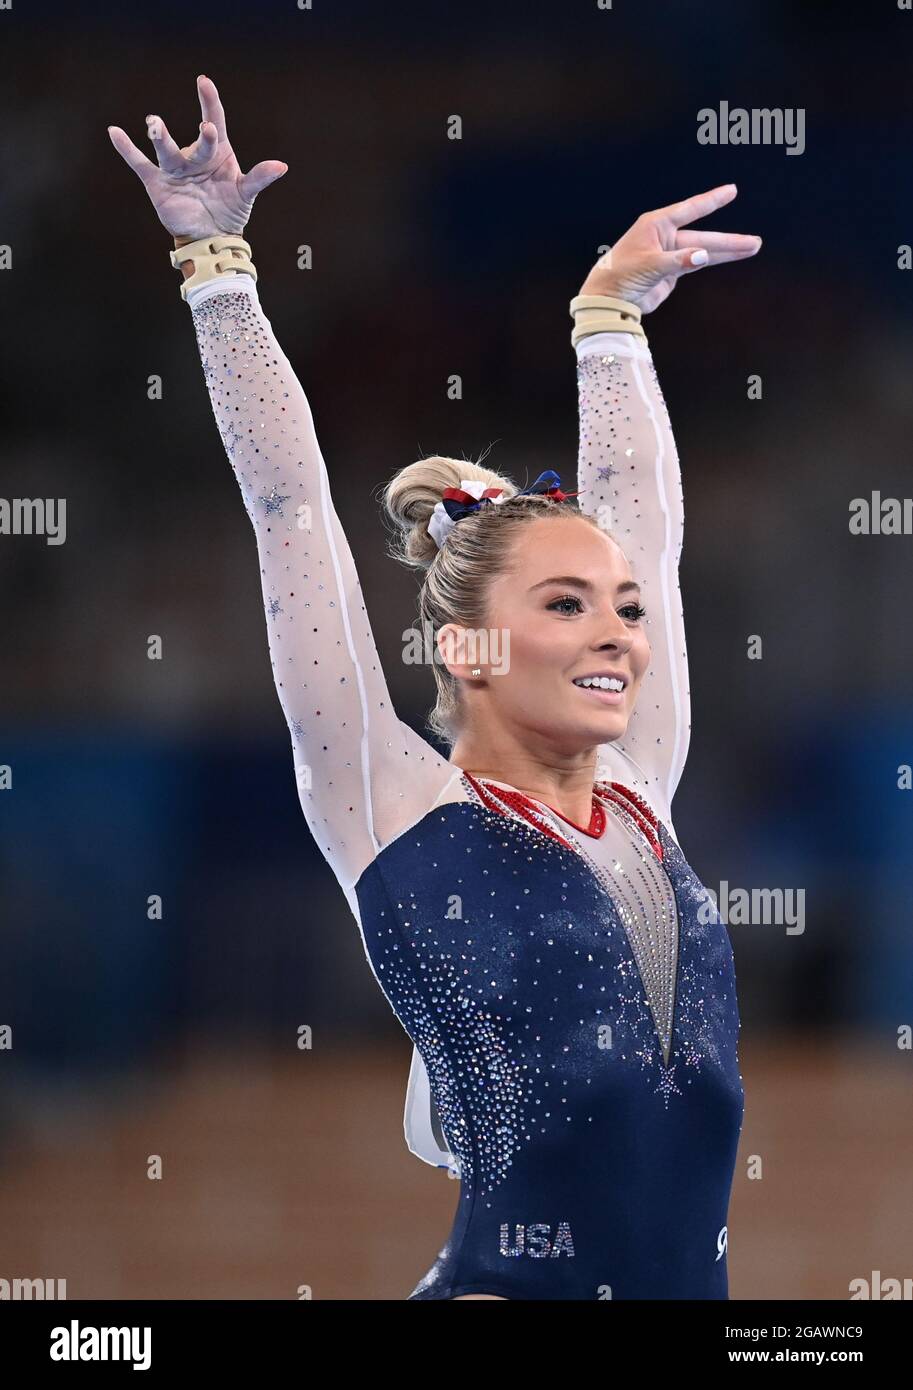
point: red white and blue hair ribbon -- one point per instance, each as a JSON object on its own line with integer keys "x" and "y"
{"x": 472, "y": 495}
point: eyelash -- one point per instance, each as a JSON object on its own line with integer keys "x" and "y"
{"x": 639, "y": 612}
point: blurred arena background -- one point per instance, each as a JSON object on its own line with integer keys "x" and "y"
{"x": 130, "y": 1037}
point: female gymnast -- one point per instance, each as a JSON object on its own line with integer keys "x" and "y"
{"x": 565, "y": 978}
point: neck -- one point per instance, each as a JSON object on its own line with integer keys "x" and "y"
{"x": 562, "y": 781}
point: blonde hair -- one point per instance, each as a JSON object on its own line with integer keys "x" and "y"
{"x": 477, "y": 550}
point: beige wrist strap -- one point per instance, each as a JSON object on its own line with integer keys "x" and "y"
{"x": 601, "y": 313}
{"x": 213, "y": 256}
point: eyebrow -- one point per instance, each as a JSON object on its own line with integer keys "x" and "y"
{"x": 582, "y": 583}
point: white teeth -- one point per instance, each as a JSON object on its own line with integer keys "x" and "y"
{"x": 601, "y": 682}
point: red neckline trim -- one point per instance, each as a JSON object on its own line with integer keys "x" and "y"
{"x": 617, "y": 792}
{"x": 518, "y": 801}
{"x": 638, "y": 809}
{"x": 597, "y": 823}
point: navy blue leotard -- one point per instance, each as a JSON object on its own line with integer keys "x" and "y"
{"x": 589, "y": 1168}
{"x": 568, "y": 990}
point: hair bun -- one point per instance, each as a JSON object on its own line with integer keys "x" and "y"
{"x": 412, "y": 494}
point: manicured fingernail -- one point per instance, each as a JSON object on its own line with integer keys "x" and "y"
{"x": 699, "y": 257}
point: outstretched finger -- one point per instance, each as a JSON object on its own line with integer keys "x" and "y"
{"x": 134, "y": 157}
{"x": 671, "y": 264}
{"x": 723, "y": 246}
{"x": 210, "y": 105}
{"x": 262, "y": 174}
{"x": 167, "y": 151}
{"x": 701, "y": 205}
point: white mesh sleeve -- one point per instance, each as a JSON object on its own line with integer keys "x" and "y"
{"x": 363, "y": 775}
{"x": 628, "y": 462}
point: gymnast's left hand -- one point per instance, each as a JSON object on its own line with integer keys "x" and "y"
{"x": 643, "y": 266}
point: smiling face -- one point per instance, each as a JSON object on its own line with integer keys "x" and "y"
{"x": 571, "y": 608}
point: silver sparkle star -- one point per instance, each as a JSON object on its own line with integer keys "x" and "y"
{"x": 231, "y": 438}
{"x": 273, "y": 502}
{"x": 606, "y": 472}
{"x": 274, "y": 607}
{"x": 667, "y": 1085}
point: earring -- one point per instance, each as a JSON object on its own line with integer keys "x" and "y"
{"x": 477, "y": 671}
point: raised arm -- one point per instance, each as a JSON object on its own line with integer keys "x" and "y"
{"x": 629, "y": 474}
{"x": 363, "y": 775}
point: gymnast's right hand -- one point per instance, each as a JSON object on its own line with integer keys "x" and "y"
{"x": 199, "y": 190}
